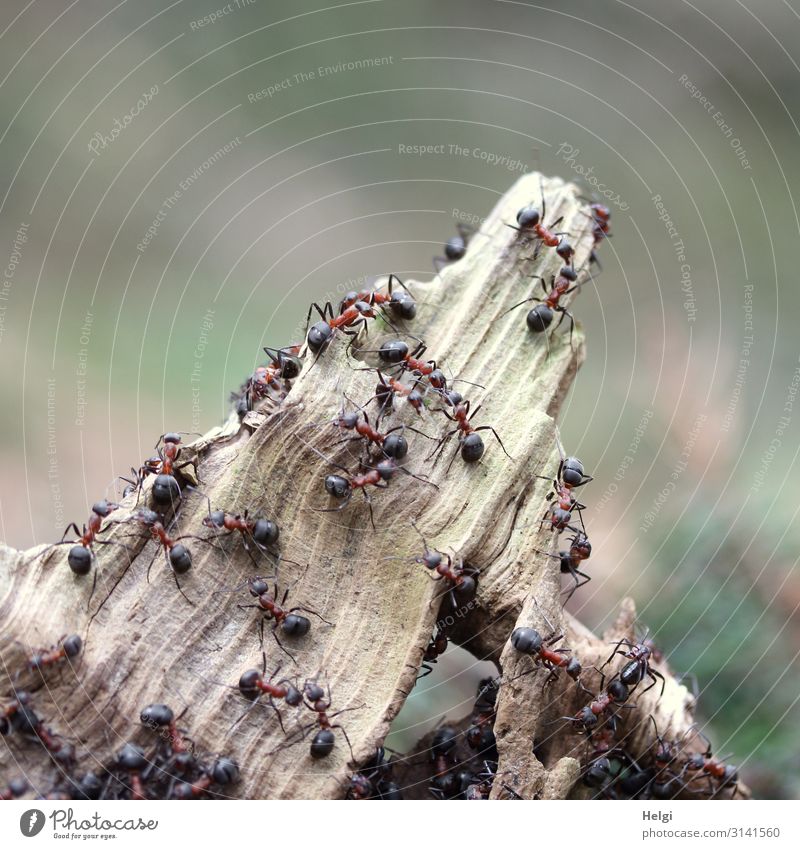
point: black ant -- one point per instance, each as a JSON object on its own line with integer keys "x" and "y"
{"x": 455, "y": 247}
{"x": 638, "y": 666}
{"x": 569, "y": 476}
{"x": 462, "y": 583}
{"x": 444, "y": 784}
{"x": 541, "y": 316}
{"x": 436, "y": 647}
{"x": 480, "y": 735}
{"x": 252, "y": 685}
{"x": 400, "y": 303}
{"x": 291, "y": 623}
{"x": 469, "y": 440}
{"x": 66, "y": 649}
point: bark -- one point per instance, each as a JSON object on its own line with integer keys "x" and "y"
{"x": 145, "y": 643}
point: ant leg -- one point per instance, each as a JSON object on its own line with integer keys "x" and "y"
{"x": 347, "y": 739}
{"x": 280, "y": 644}
{"x": 574, "y": 573}
{"x": 655, "y": 674}
{"x": 72, "y": 526}
{"x": 489, "y": 427}
{"x": 314, "y": 612}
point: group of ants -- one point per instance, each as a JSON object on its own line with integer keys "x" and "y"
{"x": 174, "y": 767}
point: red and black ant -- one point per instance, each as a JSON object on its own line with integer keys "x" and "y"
{"x": 19, "y": 716}
{"x": 462, "y": 583}
{"x": 353, "y": 316}
{"x": 400, "y": 303}
{"x": 436, "y": 647}
{"x": 253, "y": 685}
{"x": 222, "y": 772}
{"x": 290, "y": 622}
{"x": 285, "y": 365}
{"x": 580, "y": 549}
{"x": 530, "y": 642}
{"x": 600, "y": 215}
{"x": 480, "y": 735}
{"x": 391, "y": 443}
{"x": 374, "y": 779}
{"x": 638, "y": 667}
{"x": 589, "y": 716}
{"x": 455, "y": 248}
{"x": 261, "y": 533}
{"x": 444, "y": 784}
{"x": 531, "y": 220}
{"x": 66, "y": 649}
{"x": 81, "y": 554}
{"x": 541, "y": 316}
{"x": 166, "y": 490}
{"x": 388, "y": 387}
{"x": 469, "y": 439}
{"x": 569, "y": 476}
{"x": 704, "y": 765}
{"x": 131, "y": 761}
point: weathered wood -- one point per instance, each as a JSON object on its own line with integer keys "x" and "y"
{"x": 144, "y": 643}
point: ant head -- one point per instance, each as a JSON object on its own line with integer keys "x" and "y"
{"x": 527, "y": 640}
{"x": 291, "y": 366}
{"x": 102, "y": 508}
{"x": 597, "y": 773}
{"x": 472, "y": 448}
{"x": 314, "y": 692}
{"x": 437, "y": 379}
{"x": 172, "y": 438}
{"x": 431, "y": 559}
{"x": 362, "y": 307}
{"x": 225, "y": 771}
{"x": 393, "y": 351}
{"x": 528, "y": 217}
{"x": 618, "y": 691}
{"x": 600, "y": 211}
{"x": 395, "y": 445}
{"x": 215, "y": 519}
{"x": 565, "y": 250}
{"x": 131, "y": 757}
{"x": 146, "y": 517}
{"x": 337, "y": 486}
{"x": 318, "y": 335}
{"x": 444, "y": 741}
{"x": 572, "y": 471}
{"x": 347, "y": 420}
{"x": 248, "y": 684}
{"x": 157, "y": 715}
{"x": 80, "y": 560}
{"x": 455, "y": 248}
{"x": 166, "y": 490}
{"x": 568, "y": 273}
{"x": 587, "y": 718}
{"x": 295, "y": 626}
{"x": 360, "y": 787}
{"x": 404, "y": 305}
{"x": 72, "y": 645}
{"x": 386, "y": 468}
{"x": 257, "y": 586}
{"x": 293, "y": 696}
{"x": 539, "y": 318}
{"x": 581, "y": 547}
{"x": 265, "y": 532}
{"x": 322, "y": 743}
{"x": 180, "y": 558}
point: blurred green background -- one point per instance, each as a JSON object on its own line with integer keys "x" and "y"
{"x": 179, "y": 180}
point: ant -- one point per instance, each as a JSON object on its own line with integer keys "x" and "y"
{"x": 323, "y": 741}
{"x": 711, "y": 768}
{"x": 388, "y": 387}
{"x": 289, "y": 621}
{"x": 529, "y": 641}
{"x": 569, "y": 476}
{"x": 284, "y": 365}
{"x": 353, "y": 316}
{"x": 224, "y": 771}
{"x": 252, "y": 685}
{"x": 480, "y": 735}
{"x": 374, "y": 779}
{"x": 580, "y": 549}
{"x": 633, "y": 673}
{"x": 166, "y": 490}
{"x": 392, "y": 444}
{"x": 259, "y": 532}
{"x": 132, "y": 761}
{"x": 588, "y": 716}
{"x": 397, "y": 352}
{"x": 541, "y": 316}
{"x": 19, "y": 716}
{"x": 80, "y": 556}
{"x": 530, "y": 220}
{"x": 600, "y": 215}
{"x": 455, "y": 247}
{"x": 162, "y": 716}
{"x": 401, "y": 304}
{"x": 444, "y": 784}
{"x": 66, "y": 648}
{"x": 469, "y": 439}
{"x": 461, "y": 582}
{"x": 434, "y": 650}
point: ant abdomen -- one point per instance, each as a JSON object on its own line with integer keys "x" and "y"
{"x": 80, "y": 560}
{"x": 295, "y": 626}
{"x": 526, "y": 640}
{"x": 166, "y": 490}
{"x": 539, "y": 318}
{"x": 472, "y": 448}
{"x": 180, "y": 559}
{"x": 322, "y": 743}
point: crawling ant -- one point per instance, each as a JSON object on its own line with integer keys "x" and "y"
{"x": 444, "y": 784}
{"x": 480, "y": 735}
{"x": 704, "y": 765}
{"x": 580, "y": 549}
{"x": 529, "y": 641}
{"x": 461, "y": 582}
{"x": 252, "y": 685}
{"x": 388, "y": 387}
{"x": 400, "y": 303}
{"x": 469, "y": 440}
{"x": 19, "y": 716}
{"x": 530, "y": 220}
{"x": 436, "y": 647}
{"x": 291, "y": 623}
{"x": 162, "y": 716}
{"x": 353, "y": 316}
{"x": 374, "y": 779}
{"x": 391, "y": 443}
{"x": 166, "y": 490}
{"x": 15, "y": 789}
{"x": 285, "y": 365}
{"x": 588, "y": 716}
{"x": 222, "y": 772}
{"x": 131, "y": 761}
{"x": 455, "y": 247}
{"x": 260, "y": 532}
{"x": 633, "y": 673}
{"x": 569, "y": 476}
{"x": 600, "y": 215}
{"x": 541, "y": 316}
{"x": 66, "y": 649}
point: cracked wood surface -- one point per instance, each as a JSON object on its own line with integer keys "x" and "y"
{"x": 145, "y": 643}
